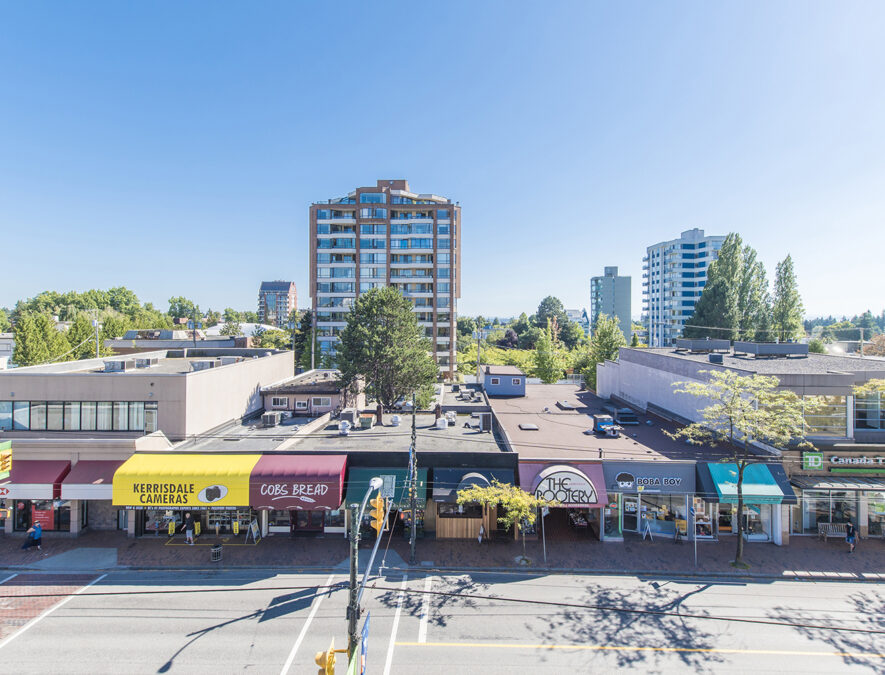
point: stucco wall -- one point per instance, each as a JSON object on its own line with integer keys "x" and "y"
{"x": 217, "y": 395}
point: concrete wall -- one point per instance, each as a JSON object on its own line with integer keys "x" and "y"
{"x": 217, "y": 395}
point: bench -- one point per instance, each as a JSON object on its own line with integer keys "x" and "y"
{"x": 827, "y": 530}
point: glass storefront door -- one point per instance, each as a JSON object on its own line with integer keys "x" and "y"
{"x": 631, "y": 514}
{"x": 876, "y": 513}
{"x": 757, "y": 522}
{"x": 612, "y": 517}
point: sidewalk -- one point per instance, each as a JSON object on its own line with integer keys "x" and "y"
{"x": 805, "y": 557}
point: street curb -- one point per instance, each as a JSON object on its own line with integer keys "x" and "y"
{"x": 529, "y": 571}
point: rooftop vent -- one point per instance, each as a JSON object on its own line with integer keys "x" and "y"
{"x": 701, "y": 346}
{"x": 565, "y": 405}
{"x": 148, "y": 362}
{"x": 119, "y": 366}
{"x": 771, "y": 350}
{"x": 716, "y": 358}
{"x": 202, "y": 365}
{"x": 528, "y": 427}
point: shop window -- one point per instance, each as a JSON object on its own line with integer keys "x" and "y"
{"x": 278, "y": 518}
{"x": 55, "y": 416}
{"x": 335, "y": 518}
{"x": 88, "y": 415}
{"x": 38, "y": 415}
{"x": 104, "y": 416}
{"x": 661, "y": 512}
{"x": 447, "y": 510}
{"x": 827, "y": 506}
{"x": 121, "y": 416}
{"x": 876, "y": 513}
{"x": 5, "y": 415}
{"x": 72, "y": 416}
{"x": 136, "y": 416}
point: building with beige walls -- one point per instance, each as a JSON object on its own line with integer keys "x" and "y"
{"x": 387, "y": 235}
{"x": 77, "y": 421}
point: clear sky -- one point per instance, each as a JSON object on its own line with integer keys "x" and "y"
{"x": 174, "y": 147}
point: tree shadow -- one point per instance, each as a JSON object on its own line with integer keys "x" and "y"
{"x": 866, "y": 610}
{"x": 642, "y": 635}
{"x": 439, "y": 607}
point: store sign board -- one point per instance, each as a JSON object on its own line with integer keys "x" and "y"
{"x": 649, "y": 477}
{"x": 568, "y": 487}
{"x": 812, "y": 461}
{"x": 293, "y": 495}
{"x": 818, "y": 461}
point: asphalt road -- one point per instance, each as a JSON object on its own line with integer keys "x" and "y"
{"x": 235, "y": 622}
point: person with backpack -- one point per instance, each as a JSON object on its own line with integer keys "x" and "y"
{"x": 850, "y": 536}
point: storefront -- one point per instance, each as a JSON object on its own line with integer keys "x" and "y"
{"x": 648, "y": 498}
{"x": 462, "y": 521}
{"x": 160, "y": 488}
{"x": 88, "y": 488}
{"x": 299, "y": 494}
{"x": 396, "y": 482}
{"x": 840, "y": 487}
{"x": 578, "y": 489}
{"x": 35, "y": 495}
{"x": 765, "y": 487}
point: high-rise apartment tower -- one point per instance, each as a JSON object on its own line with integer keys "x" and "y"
{"x": 673, "y": 277}
{"x": 610, "y": 295}
{"x": 276, "y": 299}
{"x": 387, "y": 235}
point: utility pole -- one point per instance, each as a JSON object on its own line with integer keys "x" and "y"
{"x": 96, "y": 325}
{"x": 413, "y": 491}
{"x": 353, "y": 609}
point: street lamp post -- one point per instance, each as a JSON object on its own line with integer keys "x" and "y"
{"x": 413, "y": 489}
{"x": 353, "y": 609}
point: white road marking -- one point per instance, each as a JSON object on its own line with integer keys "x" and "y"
{"x": 11, "y": 576}
{"x": 399, "y": 609}
{"x": 315, "y": 605}
{"x": 47, "y": 612}
{"x": 425, "y": 609}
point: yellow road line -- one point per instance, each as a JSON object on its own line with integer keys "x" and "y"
{"x": 628, "y": 648}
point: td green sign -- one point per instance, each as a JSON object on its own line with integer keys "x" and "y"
{"x": 812, "y": 461}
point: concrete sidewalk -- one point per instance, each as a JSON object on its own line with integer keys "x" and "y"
{"x": 805, "y": 557}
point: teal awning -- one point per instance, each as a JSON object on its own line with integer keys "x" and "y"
{"x": 358, "y": 483}
{"x": 760, "y": 485}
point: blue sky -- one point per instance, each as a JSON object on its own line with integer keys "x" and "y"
{"x": 174, "y": 148}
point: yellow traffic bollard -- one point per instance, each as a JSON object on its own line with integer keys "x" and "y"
{"x": 236, "y": 527}
{"x": 171, "y": 528}
{"x": 197, "y": 528}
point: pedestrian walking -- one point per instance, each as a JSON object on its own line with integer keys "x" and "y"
{"x": 38, "y": 536}
{"x": 850, "y": 536}
{"x": 482, "y": 532}
{"x": 188, "y": 528}
{"x": 29, "y": 539}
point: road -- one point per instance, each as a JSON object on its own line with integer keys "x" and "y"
{"x": 235, "y": 622}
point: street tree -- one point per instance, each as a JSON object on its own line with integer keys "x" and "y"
{"x": 516, "y": 507}
{"x": 786, "y": 311}
{"x": 605, "y": 345}
{"x": 383, "y": 345}
{"x": 549, "y": 359}
{"x": 741, "y": 410}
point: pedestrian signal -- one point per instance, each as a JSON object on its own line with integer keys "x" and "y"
{"x": 379, "y": 509}
{"x": 326, "y": 660}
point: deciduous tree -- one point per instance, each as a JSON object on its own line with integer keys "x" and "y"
{"x": 741, "y": 410}
{"x": 605, "y": 345}
{"x": 549, "y": 359}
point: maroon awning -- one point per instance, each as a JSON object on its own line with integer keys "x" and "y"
{"x": 306, "y": 482}
{"x": 90, "y": 479}
{"x": 38, "y": 478}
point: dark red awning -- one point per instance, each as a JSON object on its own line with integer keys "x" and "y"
{"x": 38, "y": 478}
{"x": 306, "y": 482}
{"x": 90, "y": 479}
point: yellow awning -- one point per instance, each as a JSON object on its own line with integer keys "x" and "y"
{"x": 180, "y": 481}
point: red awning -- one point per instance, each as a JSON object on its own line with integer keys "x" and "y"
{"x": 306, "y": 482}
{"x": 90, "y": 479}
{"x": 38, "y": 478}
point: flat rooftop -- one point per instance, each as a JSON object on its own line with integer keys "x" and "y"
{"x": 560, "y": 432}
{"x": 168, "y": 362}
{"x": 248, "y": 436}
{"x": 813, "y": 364}
{"x": 389, "y": 438}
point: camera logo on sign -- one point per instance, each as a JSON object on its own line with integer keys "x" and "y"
{"x": 812, "y": 461}
{"x": 212, "y": 494}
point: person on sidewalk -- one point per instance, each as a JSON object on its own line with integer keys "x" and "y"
{"x": 482, "y": 532}
{"x": 29, "y": 539}
{"x": 188, "y": 528}
{"x": 850, "y": 536}
{"x": 38, "y": 536}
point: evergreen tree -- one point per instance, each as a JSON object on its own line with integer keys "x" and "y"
{"x": 550, "y": 308}
{"x": 384, "y": 346}
{"x": 30, "y": 347}
{"x": 57, "y": 346}
{"x": 787, "y": 308}
{"x": 302, "y": 339}
{"x": 81, "y": 337}
{"x": 5, "y": 326}
{"x": 549, "y": 361}
{"x": 605, "y": 345}
{"x": 634, "y": 342}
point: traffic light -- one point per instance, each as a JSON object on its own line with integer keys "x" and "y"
{"x": 379, "y": 509}
{"x": 326, "y": 660}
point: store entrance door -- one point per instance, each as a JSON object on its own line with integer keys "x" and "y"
{"x": 307, "y": 522}
{"x": 631, "y": 514}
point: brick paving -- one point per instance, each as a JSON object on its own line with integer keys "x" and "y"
{"x": 804, "y": 556}
{"x": 16, "y": 611}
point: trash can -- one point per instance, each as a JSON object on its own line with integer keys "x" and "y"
{"x": 215, "y": 553}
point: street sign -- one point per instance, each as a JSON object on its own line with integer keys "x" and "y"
{"x": 364, "y": 645}
{"x": 389, "y": 487}
{"x": 190, "y": 325}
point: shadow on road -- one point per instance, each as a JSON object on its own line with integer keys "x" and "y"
{"x": 636, "y": 638}
{"x": 866, "y": 611}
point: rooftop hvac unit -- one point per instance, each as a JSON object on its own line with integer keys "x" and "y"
{"x": 485, "y": 421}
{"x": 202, "y": 365}
{"x": 716, "y": 358}
{"x": 119, "y": 366}
{"x": 149, "y": 362}
{"x": 270, "y": 419}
